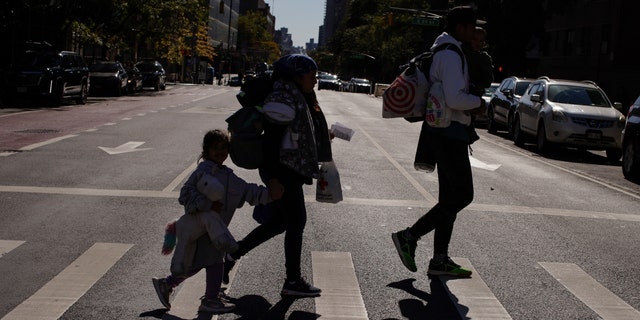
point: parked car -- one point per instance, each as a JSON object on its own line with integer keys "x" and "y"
{"x": 488, "y": 93}
{"x": 48, "y": 75}
{"x": 328, "y": 81}
{"x": 153, "y": 74}
{"x": 108, "y": 77}
{"x": 631, "y": 143}
{"x": 360, "y": 85}
{"x": 134, "y": 80}
{"x": 569, "y": 113}
{"x": 235, "y": 81}
{"x": 503, "y": 103}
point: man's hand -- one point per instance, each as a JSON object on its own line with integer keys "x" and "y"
{"x": 481, "y": 110}
{"x": 275, "y": 189}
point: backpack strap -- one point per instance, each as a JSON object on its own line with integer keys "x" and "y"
{"x": 452, "y": 47}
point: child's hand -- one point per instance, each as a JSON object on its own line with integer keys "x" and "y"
{"x": 216, "y": 206}
{"x": 275, "y": 189}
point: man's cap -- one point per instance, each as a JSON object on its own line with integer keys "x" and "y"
{"x": 462, "y": 15}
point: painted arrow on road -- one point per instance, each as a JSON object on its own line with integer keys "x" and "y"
{"x": 124, "y": 148}
{"x": 481, "y": 165}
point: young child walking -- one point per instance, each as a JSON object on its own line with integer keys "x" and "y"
{"x": 202, "y": 241}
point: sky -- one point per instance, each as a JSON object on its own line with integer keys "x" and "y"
{"x": 303, "y": 18}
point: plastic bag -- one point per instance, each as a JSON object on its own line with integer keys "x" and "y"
{"x": 328, "y": 187}
{"x": 406, "y": 96}
{"x": 438, "y": 115}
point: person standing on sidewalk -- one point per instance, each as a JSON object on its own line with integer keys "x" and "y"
{"x": 296, "y": 139}
{"x": 450, "y": 147}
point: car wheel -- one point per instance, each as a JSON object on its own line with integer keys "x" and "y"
{"x": 157, "y": 86}
{"x": 118, "y": 91}
{"x": 84, "y": 92}
{"x": 491, "y": 124}
{"x": 510, "y": 125}
{"x": 543, "y": 145}
{"x": 614, "y": 155}
{"x": 631, "y": 160}
{"x": 57, "y": 94}
{"x": 518, "y": 139}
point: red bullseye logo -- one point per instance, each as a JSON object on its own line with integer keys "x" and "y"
{"x": 400, "y": 96}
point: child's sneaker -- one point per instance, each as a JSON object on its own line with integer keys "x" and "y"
{"x": 163, "y": 289}
{"x": 448, "y": 268}
{"x": 406, "y": 249}
{"x": 299, "y": 288}
{"x": 216, "y": 306}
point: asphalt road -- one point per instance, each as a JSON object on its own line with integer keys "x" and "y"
{"x": 85, "y": 192}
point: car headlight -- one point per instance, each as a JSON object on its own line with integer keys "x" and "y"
{"x": 558, "y": 115}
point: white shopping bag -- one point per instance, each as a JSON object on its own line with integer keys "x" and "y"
{"x": 328, "y": 187}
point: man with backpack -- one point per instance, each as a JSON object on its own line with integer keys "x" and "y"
{"x": 449, "y": 147}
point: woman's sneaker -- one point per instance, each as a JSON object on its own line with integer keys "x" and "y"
{"x": 406, "y": 249}
{"x": 299, "y": 288}
{"x": 448, "y": 268}
{"x": 216, "y": 306}
{"x": 163, "y": 289}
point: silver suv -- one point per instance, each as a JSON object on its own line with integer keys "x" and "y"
{"x": 569, "y": 113}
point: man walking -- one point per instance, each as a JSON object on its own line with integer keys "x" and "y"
{"x": 450, "y": 149}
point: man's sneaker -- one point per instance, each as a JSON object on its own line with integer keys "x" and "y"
{"x": 163, "y": 289}
{"x": 299, "y": 288}
{"x": 229, "y": 262}
{"x": 448, "y": 268}
{"x": 216, "y": 305}
{"x": 406, "y": 249}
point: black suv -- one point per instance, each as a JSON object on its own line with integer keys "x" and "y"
{"x": 631, "y": 143}
{"x": 49, "y": 75}
{"x": 504, "y": 102}
{"x": 153, "y": 74}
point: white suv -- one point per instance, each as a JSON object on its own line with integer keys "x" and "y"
{"x": 569, "y": 113}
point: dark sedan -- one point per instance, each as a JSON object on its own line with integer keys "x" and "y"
{"x": 153, "y": 74}
{"x": 631, "y": 143}
{"x": 503, "y": 103}
{"x": 107, "y": 77}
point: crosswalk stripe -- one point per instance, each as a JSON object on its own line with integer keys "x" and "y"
{"x": 55, "y": 297}
{"x": 475, "y": 299}
{"x": 187, "y": 300}
{"x": 598, "y": 298}
{"x": 8, "y": 245}
{"x": 334, "y": 273}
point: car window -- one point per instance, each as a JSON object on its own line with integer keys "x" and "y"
{"x": 68, "y": 61}
{"x": 521, "y": 86}
{"x": 146, "y": 67}
{"x": 533, "y": 88}
{"x": 577, "y": 95}
{"x": 509, "y": 85}
{"x": 103, "y": 67}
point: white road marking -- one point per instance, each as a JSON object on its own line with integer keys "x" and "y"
{"x": 55, "y": 297}
{"x": 44, "y": 143}
{"x": 474, "y": 298}
{"x": 8, "y": 245}
{"x": 481, "y": 165}
{"x": 333, "y": 272}
{"x": 598, "y": 298}
{"x": 179, "y": 178}
{"x": 125, "y": 148}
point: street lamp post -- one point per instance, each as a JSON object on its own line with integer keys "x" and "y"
{"x": 229, "y": 38}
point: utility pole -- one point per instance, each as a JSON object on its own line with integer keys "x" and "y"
{"x": 229, "y": 38}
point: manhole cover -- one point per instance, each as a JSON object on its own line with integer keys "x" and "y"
{"x": 38, "y": 131}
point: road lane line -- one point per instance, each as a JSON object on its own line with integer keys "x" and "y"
{"x": 179, "y": 178}
{"x": 598, "y": 298}
{"x": 8, "y": 245}
{"x": 44, "y": 143}
{"x": 55, "y": 297}
{"x": 474, "y": 298}
{"x": 187, "y": 300}
{"x": 404, "y": 172}
{"x": 334, "y": 273}
{"x": 488, "y": 208}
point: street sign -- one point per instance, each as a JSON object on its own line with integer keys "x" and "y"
{"x": 425, "y": 21}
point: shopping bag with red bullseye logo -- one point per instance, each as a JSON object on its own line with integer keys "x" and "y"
{"x": 328, "y": 187}
{"x": 406, "y": 96}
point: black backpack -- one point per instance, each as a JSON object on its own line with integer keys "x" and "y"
{"x": 246, "y": 126}
{"x": 423, "y": 62}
